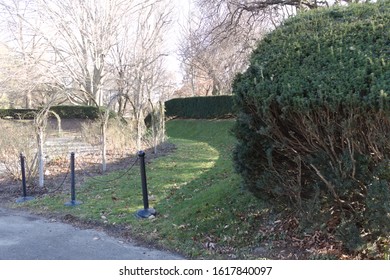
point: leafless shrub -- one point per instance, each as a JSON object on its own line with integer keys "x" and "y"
{"x": 121, "y": 140}
{"x": 16, "y": 138}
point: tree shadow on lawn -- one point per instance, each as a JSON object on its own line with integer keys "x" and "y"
{"x": 227, "y": 221}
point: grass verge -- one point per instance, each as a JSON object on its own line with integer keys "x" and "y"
{"x": 202, "y": 211}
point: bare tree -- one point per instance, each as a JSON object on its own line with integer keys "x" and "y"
{"x": 83, "y": 34}
{"x": 7, "y": 66}
{"x": 28, "y": 74}
{"x": 237, "y": 12}
{"x": 138, "y": 62}
{"x": 221, "y": 34}
{"x": 26, "y": 50}
{"x": 40, "y": 124}
{"x": 212, "y": 52}
{"x": 86, "y": 45}
{"x": 95, "y": 42}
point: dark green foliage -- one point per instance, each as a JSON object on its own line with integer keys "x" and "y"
{"x": 205, "y": 107}
{"x": 76, "y": 112}
{"x": 64, "y": 112}
{"x": 20, "y": 114}
{"x": 313, "y": 121}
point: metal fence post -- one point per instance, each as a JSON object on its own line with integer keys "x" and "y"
{"x": 24, "y": 184}
{"x": 146, "y": 212}
{"x": 73, "y": 200}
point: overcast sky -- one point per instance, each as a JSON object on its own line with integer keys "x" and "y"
{"x": 181, "y": 14}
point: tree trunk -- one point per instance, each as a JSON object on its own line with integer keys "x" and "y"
{"x": 158, "y": 124}
{"x": 162, "y": 121}
{"x": 139, "y": 134}
{"x": 41, "y": 160}
{"x": 153, "y": 124}
{"x": 104, "y": 146}
{"x": 28, "y": 100}
{"x": 139, "y": 127}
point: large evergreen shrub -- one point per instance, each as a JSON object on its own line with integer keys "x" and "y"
{"x": 313, "y": 124}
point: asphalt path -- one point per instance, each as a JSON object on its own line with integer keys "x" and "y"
{"x": 25, "y": 236}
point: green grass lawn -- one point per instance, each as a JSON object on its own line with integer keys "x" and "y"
{"x": 202, "y": 211}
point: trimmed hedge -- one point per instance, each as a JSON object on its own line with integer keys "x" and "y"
{"x": 64, "y": 111}
{"x": 205, "y": 107}
{"x": 23, "y": 114}
{"x": 200, "y": 107}
{"x": 313, "y": 121}
{"x": 76, "y": 112}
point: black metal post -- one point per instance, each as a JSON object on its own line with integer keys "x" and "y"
{"x": 22, "y": 165}
{"x": 24, "y": 184}
{"x": 146, "y": 212}
{"x": 73, "y": 200}
{"x": 72, "y": 178}
{"x": 143, "y": 180}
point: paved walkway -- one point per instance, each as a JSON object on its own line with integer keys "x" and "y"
{"x": 28, "y": 237}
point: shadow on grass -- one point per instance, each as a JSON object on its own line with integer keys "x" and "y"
{"x": 202, "y": 211}
{"x": 203, "y": 205}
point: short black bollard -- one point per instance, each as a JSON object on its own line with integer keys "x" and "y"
{"x": 24, "y": 185}
{"x": 73, "y": 200}
{"x": 146, "y": 212}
